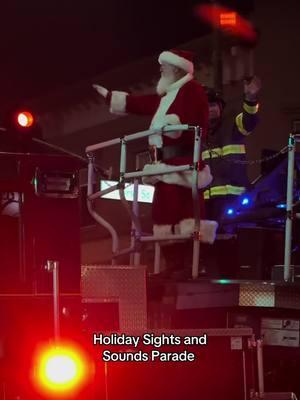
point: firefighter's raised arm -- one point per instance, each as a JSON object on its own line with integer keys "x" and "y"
{"x": 246, "y": 121}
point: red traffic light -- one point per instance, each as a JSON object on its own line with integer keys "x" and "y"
{"x": 25, "y": 119}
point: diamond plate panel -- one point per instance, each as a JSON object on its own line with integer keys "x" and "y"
{"x": 288, "y": 297}
{"x": 257, "y": 295}
{"x": 125, "y": 283}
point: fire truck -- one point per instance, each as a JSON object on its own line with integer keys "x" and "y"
{"x": 119, "y": 331}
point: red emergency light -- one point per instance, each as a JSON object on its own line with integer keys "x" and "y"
{"x": 227, "y": 21}
{"x": 24, "y": 119}
{"x": 60, "y": 370}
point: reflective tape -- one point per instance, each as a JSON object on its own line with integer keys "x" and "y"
{"x": 223, "y": 191}
{"x": 239, "y": 124}
{"x": 224, "y": 151}
{"x": 250, "y": 109}
{"x": 212, "y": 153}
{"x": 234, "y": 149}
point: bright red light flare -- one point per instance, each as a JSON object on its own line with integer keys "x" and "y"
{"x": 228, "y": 21}
{"x": 61, "y": 370}
{"x": 25, "y": 119}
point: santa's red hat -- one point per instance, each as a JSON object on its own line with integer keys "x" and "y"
{"x": 179, "y": 58}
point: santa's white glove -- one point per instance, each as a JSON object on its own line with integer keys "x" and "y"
{"x": 252, "y": 89}
{"x": 101, "y": 90}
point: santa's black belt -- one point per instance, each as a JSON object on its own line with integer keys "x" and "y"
{"x": 168, "y": 152}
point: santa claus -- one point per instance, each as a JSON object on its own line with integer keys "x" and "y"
{"x": 179, "y": 99}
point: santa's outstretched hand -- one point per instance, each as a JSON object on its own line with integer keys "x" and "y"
{"x": 101, "y": 90}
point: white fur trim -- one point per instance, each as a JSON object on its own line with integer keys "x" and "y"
{"x": 173, "y": 59}
{"x": 208, "y": 229}
{"x": 162, "y": 90}
{"x": 178, "y": 84}
{"x": 158, "y": 120}
{"x": 204, "y": 177}
{"x": 165, "y": 230}
{"x": 187, "y": 226}
{"x": 158, "y": 123}
{"x": 161, "y": 118}
{"x": 177, "y": 229}
{"x": 162, "y": 230}
{"x": 155, "y": 140}
{"x": 118, "y": 102}
{"x": 172, "y": 119}
{"x": 178, "y": 178}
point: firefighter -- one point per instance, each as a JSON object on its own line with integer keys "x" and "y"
{"x": 226, "y": 147}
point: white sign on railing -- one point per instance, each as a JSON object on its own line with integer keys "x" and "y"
{"x": 145, "y": 192}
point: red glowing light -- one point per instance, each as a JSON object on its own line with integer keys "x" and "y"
{"x": 25, "y": 119}
{"x": 228, "y": 21}
{"x": 61, "y": 370}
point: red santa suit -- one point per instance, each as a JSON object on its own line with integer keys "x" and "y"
{"x": 184, "y": 102}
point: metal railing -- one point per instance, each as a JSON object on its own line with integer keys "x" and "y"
{"x": 136, "y": 236}
{"x": 288, "y": 270}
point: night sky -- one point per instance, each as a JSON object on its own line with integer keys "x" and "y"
{"x": 48, "y": 44}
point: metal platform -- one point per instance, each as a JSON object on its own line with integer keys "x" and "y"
{"x": 205, "y": 293}
{"x": 121, "y": 284}
{"x": 142, "y": 301}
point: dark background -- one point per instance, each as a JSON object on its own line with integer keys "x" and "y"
{"x": 45, "y": 45}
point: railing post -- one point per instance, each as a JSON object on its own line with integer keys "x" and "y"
{"x": 53, "y": 267}
{"x": 135, "y": 241}
{"x": 289, "y": 208}
{"x": 260, "y": 367}
{"x": 90, "y": 182}
{"x": 94, "y": 214}
{"x": 156, "y": 258}
{"x": 123, "y": 159}
{"x": 196, "y": 203}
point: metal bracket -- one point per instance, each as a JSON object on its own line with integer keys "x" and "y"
{"x": 292, "y": 140}
{"x": 197, "y": 236}
{"x": 51, "y": 265}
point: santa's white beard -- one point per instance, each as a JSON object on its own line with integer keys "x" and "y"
{"x": 164, "y": 83}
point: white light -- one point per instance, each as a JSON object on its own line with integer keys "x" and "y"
{"x": 61, "y": 369}
{"x": 145, "y": 192}
{"x": 25, "y": 119}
